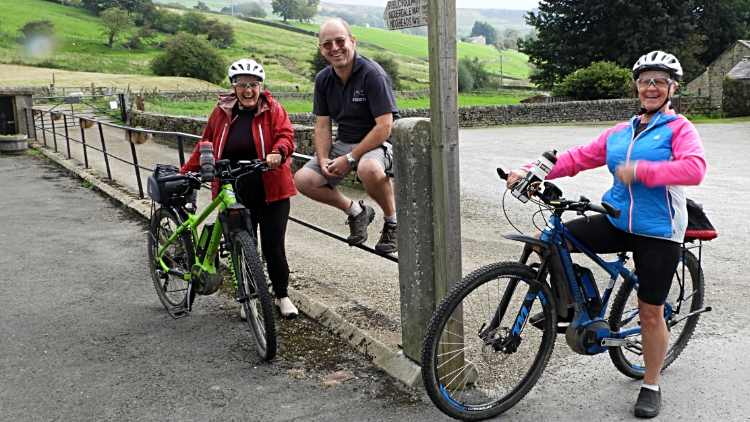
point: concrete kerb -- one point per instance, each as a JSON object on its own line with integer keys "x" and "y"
{"x": 393, "y": 362}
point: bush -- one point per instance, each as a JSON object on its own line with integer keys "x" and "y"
{"x": 600, "y": 81}
{"x": 44, "y": 27}
{"x": 317, "y": 64}
{"x": 465, "y": 80}
{"x": 220, "y": 32}
{"x": 192, "y": 56}
{"x": 479, "y": 74}
{"x": 391, "y": 68}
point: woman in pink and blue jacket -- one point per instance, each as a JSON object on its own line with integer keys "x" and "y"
{"x": 651, "y": 158}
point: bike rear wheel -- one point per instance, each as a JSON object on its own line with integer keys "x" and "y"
{"x": 685, "y": 296}
{"x": 258, "y": 308}
{"x": 465, "y": 376}
{"x": 180, "y": 256}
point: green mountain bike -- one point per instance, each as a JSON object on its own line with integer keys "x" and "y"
{"x": 184, "y": 264}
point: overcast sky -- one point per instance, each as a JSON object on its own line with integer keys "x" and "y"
{"x": 462, "y": 4}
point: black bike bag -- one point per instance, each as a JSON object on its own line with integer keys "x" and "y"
{"x": 175, "y": 193}
{"x": 698, "y": 227}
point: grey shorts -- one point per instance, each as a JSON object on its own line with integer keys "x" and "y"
{"x": 382, "y": 154}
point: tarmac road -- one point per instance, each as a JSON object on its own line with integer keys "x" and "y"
{"x": 85, "y": 337}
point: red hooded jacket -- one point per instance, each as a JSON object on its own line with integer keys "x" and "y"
{"x": 277, "y": 136}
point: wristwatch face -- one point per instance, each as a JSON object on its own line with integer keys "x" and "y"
{"x": 352, "y": 163}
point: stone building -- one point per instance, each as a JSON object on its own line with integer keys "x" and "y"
{"x": 711, "y": 82}
{"x": 736, "y": 100}
{"x": 479, "y": 40}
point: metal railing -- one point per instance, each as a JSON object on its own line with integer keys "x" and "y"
{"x": 31, "y": 125}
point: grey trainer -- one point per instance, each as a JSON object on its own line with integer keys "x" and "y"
{"x": 358, "y": 225}
{"x": 388, "y": 242}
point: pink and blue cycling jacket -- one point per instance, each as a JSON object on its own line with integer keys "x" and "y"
{"x": 668, "y": 155}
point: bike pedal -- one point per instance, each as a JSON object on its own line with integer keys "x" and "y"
{"x": 179, "y": 312}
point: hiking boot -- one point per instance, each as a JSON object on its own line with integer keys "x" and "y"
{"x": 358, "y": 225}
{"x": 388, "y": 242}
{"x": 648, "y": 403}
{"x": 286, "y": 308}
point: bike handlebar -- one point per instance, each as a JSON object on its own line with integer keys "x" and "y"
{"x": 551, "y": 195}
{"x": 248, "y": 167}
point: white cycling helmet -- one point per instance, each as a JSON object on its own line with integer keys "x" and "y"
{"x": 658, "y": 60}
{"x": 246, "y": 67}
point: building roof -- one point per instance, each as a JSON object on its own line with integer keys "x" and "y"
{"x": 741, "y": 70}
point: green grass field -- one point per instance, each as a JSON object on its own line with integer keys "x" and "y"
{"x": 514, "y": 64}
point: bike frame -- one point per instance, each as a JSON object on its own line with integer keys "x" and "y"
{"x": 224, "y": 200}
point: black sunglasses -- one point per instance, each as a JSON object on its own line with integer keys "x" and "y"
{"x": 327, "y": 45}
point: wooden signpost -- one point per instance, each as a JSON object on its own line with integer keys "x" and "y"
{"x": 440, "y": 18}
{"x": 402, "y": 14}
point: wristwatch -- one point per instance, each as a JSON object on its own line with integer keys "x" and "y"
{"x": 352, "y": 161}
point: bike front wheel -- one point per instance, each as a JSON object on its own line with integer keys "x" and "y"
{"x": 685, "y": 296}
{"x": 248, "y": 271}
{"x": 465, "y": 374}
{"x": 179, "y": 255}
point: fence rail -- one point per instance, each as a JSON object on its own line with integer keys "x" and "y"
{"x": 35, "y": 120}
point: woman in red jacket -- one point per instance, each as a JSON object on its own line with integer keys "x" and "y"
{"x": 245, "y": 125}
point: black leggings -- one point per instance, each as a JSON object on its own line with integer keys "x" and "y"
{"x": 655, "y": 259}
{"x": 272, "y": 219}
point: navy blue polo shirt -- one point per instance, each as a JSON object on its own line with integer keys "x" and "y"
{"x": 354, "y": 105}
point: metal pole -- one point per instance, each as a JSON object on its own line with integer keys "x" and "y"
{"x": 104, "y": 151}
{"x": 44, "y": 132}
{"x": 181, "y": 150}
{"x": 137, "y": 171}
{"x": 67, "y": 138}
{"x": 54, "y": 132}
{"x": 83, "y": 142}
{"x": 33, "y": 124}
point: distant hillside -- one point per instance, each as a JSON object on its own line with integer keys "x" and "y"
{"x": 499, "y": 18}
{"x": 79, "y": 46}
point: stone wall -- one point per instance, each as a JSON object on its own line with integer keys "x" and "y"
{"x": 567, "y": 112}
{"x": 477, "y": 116}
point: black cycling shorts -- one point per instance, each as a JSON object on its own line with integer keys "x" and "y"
{"x": 655, "y": 259}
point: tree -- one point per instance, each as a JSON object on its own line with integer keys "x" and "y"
{"x": 194, "y": 23}
{"x": 318, "y": 63}
{"x": 43, "y": 27}
{"x": 719, "y": 24}
{"x": 101, "y": 5}
{"x": 246, "y": 9}
{"x": 572, "y": 35}
{"x": 306, "y": 10}
{"x": 221, "y": 32}
{"x": 390, "y": 66}
{"x": 147, "y": 33}
{"x": 113, "y": 21}
{"x": 284, "y": 8}
{"x": 600, "y": 81}
{"x": 485, "y": 29}
{"x": 202, "y": 7}
{"x": 192, "y": 56}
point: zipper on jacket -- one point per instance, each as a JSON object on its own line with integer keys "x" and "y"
{"x": 627, "y": 161}
{"x": 262, "y": 141}
{"x": 221, "y": 139}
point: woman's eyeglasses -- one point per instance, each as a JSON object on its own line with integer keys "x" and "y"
{"x": 244, "y": 85}
{"x": 657, "y": 82}
{"x": 327, "y": 45}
